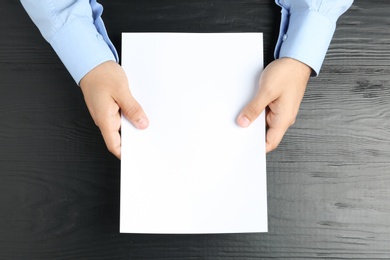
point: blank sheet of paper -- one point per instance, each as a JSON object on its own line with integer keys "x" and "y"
{"x": 194, "y": 170}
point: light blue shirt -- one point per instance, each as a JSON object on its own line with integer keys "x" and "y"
{"x": 76, "y": 32}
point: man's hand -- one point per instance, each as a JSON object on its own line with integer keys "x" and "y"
{"x": 282, "y": 85}
{"x": 106, "y": 93}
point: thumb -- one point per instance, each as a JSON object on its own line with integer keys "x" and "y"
{"x": 254, "y": 108}
{"x": 132, "y": 110}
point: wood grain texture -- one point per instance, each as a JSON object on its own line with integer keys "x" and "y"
{"x": 328, "y": 182}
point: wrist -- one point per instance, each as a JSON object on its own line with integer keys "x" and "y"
{"x": 299, "y": 67}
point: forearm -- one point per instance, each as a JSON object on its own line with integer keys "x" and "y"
{"x": 307, "y": 28}
{"x": 76, "y": 32}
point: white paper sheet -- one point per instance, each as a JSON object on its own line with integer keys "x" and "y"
{"x": 193, "y": 170}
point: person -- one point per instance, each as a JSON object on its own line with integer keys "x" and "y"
{"x": 76, "y": 31}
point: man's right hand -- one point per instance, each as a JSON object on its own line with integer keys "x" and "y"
{"x": 107, "y": 94}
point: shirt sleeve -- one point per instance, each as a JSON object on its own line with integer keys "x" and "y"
{"x": 307, "y": 28}
{"x": 76, "y": 32}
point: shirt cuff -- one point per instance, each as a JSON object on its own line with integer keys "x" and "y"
{"x": 80, "y": 47}
{"x": 306, "y": 38}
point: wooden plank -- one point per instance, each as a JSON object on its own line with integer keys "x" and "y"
{"x": 328, "y": 182}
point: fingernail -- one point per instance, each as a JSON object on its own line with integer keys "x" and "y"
{"x": 243, "y": 121}
{"x": 142, "y": 123}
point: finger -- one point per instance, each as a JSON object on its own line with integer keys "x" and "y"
{"x": 255, "y": 107}
{"x": 277, "y": 127}
{"x": 110, "y": 132}
{"x": 132, "y": 110}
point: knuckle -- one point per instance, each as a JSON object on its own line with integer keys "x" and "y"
{"x": 98, "y": 121}
{"x": 272, "y": 146}
{"x": 253, "y": 109}
{"x": 292, "y": 122}
{"x": 111, "y": 147}
{"x": 131, "y": 111}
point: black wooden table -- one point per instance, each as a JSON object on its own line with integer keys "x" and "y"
{"x": 328, "y": 182}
